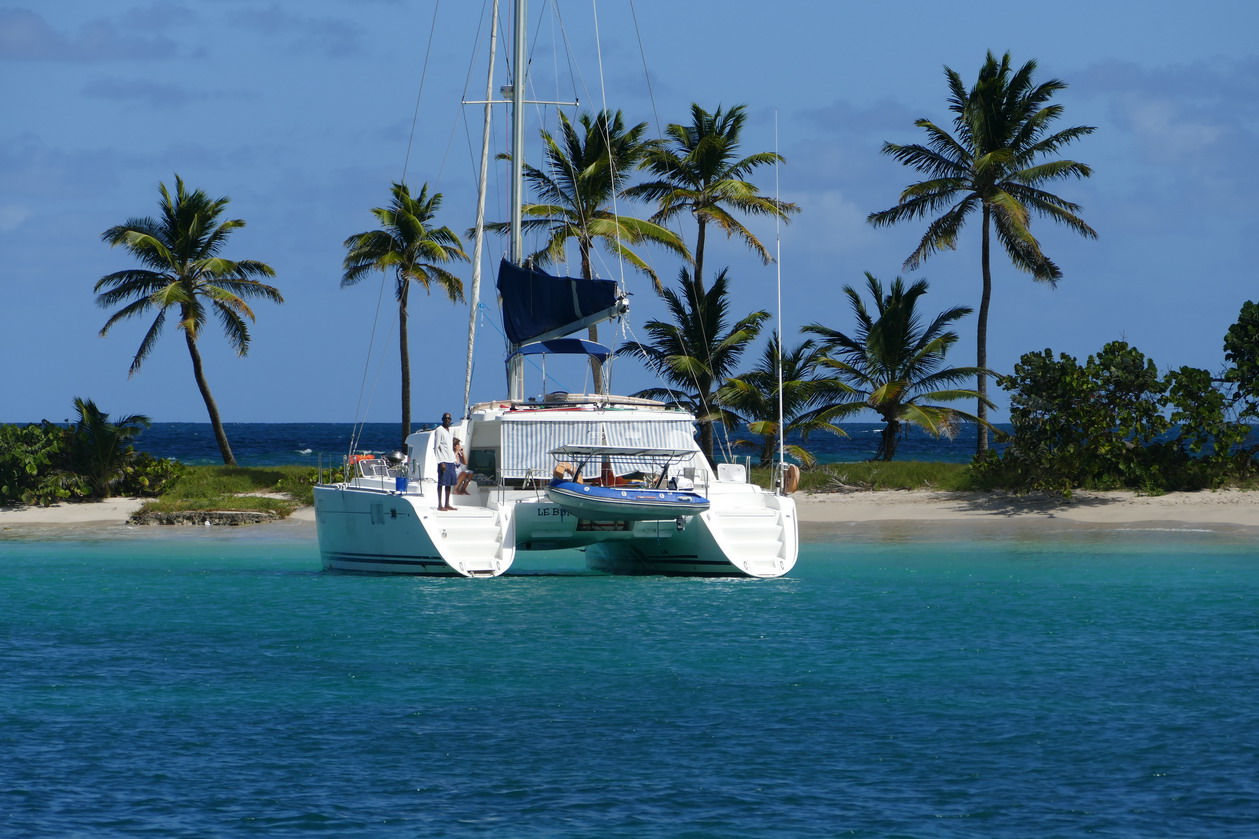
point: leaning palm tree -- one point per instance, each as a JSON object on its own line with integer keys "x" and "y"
{"x": 808, "y": 400}
{"x": 996, "y": 163}
{"x": 698, "y": 170}
{"x": 697, "y": 352}
{"x": 414, "y": 249}
{"x": 184, "y": 274}
{"x": 895, "y": 364}
{"x": 584, "y": 173}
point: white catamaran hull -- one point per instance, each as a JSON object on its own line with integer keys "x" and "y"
{"x": 387, "y": 532}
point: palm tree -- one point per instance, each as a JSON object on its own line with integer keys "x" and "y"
{"x": 184, "y": 273}
{"x": 697, "y": 352}
{"x": 584, "y": 173}
{"x": 99, "y": 451}
{"x": 698, "y": 170}
{"x": 995, "y": 164}
{"x": 895, "y": 364}
{"x": 808, "y": 399}
{"x": 413, "y": 248}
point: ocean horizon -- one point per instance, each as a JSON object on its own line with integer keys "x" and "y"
{"x": 313, "y": 443}
{"x": 309, "y": 443}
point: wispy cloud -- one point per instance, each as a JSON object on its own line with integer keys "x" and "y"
{"x": 147, "y": 93}
{"x": 28, "y": 36}
{"x": 335, "y": 38}
{"x": 1194, "y": 114}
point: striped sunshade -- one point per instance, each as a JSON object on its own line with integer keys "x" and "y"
{"x": 529, "y": 440}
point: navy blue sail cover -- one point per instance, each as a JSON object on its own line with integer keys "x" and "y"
{"x": 566, "y": 346}
{"x": 538, "y": 305}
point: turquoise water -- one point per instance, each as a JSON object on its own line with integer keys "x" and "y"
{"x": 211, "y": 683}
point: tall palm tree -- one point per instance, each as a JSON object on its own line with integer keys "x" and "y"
{"x": 808, "y": 399}
{"x": 184, "y": 273}
{"x": 996, "y": 163}
{"x": 698, "y": 170}
{"x": 410, "y": 245}
{"x": 586, "y": 167}
{"x": 896, "y": 364}
{"x": 697, "y": 352}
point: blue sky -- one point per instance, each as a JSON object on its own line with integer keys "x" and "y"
{"x": 300, "y": 112}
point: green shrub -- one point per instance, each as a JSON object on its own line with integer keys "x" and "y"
{"x": 1104, "y": 424}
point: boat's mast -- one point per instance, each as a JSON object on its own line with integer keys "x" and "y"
{"x": 516, "y": 367}
{"x": 780, "y": 469}
{"x": 518, "y": 134}
{"x": 479, "y": 240}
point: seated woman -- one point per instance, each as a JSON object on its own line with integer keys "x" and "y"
{"x": 463, "y": 473}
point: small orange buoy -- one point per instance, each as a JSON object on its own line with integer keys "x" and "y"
{"x": 791, "y": 478}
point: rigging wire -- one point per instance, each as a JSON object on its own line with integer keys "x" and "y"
{"x": 642, "y": 52}
{"x": 359, "y": 410}
{"x": 415, "y": 116}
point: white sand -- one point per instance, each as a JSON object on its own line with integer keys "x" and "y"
{"x": 1224, "y": 507}
{"x": 111, "y": 511}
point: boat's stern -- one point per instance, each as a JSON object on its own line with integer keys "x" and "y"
{"x": 401, "y": 532}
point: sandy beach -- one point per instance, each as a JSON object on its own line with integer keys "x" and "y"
{"x": 1228, "y": 508}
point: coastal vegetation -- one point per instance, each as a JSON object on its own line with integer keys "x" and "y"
{"x": 997, "y": 163}
{"x": 184, "y": 273}
{"x": 894, "y": 364}
{"x": 807, "y": 398}
{"x": 698, "y": 170}
{"x": 697, "y": 352}
{"x": 278, "y": 490}
{"x": 45, "y": 463}
{"x": 415, "y": 249}
{"x": 1113, "y": 422}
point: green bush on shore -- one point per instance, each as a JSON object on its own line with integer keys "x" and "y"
{"x": 44, "y": 463}
{"x": 877, "y": 475}
{"x": 245, "y": 488}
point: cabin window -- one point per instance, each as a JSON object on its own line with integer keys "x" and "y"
{"x": 483, "y": 461}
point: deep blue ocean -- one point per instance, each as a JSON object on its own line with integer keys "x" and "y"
{"x": 915, "y": 683}
{"x": 278, "y": 444}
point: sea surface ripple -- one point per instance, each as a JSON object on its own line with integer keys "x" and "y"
{"x": 219, "y": 684}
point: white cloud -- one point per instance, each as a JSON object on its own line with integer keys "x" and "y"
{"x": 1167, "y": 130}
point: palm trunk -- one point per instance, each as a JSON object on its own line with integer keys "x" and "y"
{"x": 217, "y": 424}
{"x": 981, "y": 340}
{"x": 596, "y": 366}
{"x": 699, "y": 256}
{"x": 404, "y": 350}
{"x": 888, "y": 441}
{"x": 706, "y": 441}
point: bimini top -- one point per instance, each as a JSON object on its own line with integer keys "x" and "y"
{"x": 537, "y": 306}
{"x": 625, "y": 451}
{"x": 567, "y": 346}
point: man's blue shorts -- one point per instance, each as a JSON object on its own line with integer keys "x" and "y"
{"x": 446, "y": 474}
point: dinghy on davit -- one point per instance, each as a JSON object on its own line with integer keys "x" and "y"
{"x": 644, "y": 499}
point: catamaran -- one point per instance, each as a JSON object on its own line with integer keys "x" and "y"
{"x": 619, "y": 477}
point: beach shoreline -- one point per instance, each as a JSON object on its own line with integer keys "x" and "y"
{"x": 820, "y": 514}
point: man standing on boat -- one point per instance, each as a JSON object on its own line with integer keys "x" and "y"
{"x": 447, "y": 470}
